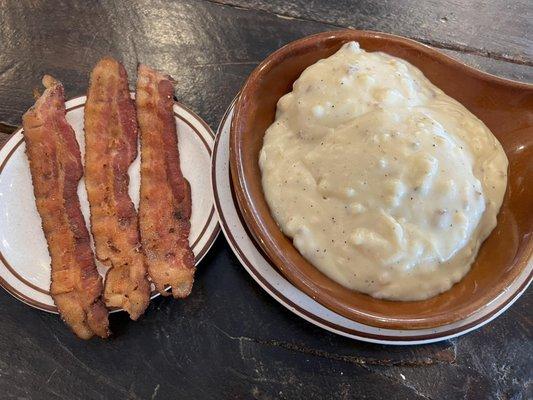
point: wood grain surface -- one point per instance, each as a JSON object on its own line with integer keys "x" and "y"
{"x": 230, "y": 340}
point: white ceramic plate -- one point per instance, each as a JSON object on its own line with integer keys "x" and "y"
{"x": 266, "y": 274}
{"x": 24, "y": 258}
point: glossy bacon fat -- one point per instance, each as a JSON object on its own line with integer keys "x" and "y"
{"x": 165, "y": 203}
{"x": 110, "y": 148}
{"x": 55, "y": 165}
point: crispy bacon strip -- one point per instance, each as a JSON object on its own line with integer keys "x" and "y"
{"x": 165, "y": 203}
{"x": 55, "y": 165}
{"x": 110, "y": 148}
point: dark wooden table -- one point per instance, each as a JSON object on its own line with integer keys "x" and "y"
{"x": 230, "y": 339}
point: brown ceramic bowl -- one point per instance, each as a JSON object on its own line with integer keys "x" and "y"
{"x": 506, "y": 107}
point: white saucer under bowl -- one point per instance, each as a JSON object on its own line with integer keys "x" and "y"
{"x": 268, "y": 277}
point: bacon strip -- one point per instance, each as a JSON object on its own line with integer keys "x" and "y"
{"x": 165, "y": 203}
{"x": 110, "y": 148}
{"x": 55, "y": 165}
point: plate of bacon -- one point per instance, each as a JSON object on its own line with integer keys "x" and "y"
{"x": 105, "y": 199}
